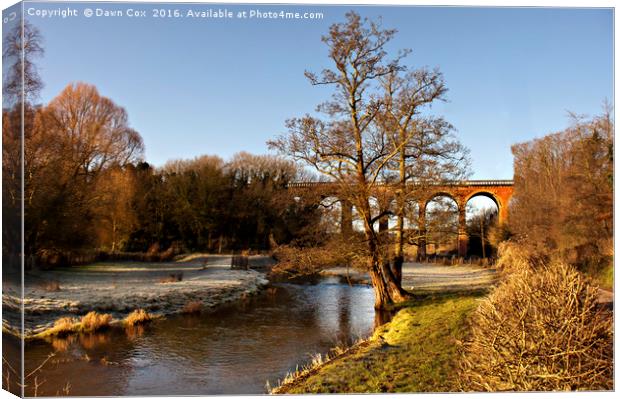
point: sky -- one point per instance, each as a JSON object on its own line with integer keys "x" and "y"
{"x": 194, "y": 86}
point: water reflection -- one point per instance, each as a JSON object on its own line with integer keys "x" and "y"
{"x": 233, "y": 351}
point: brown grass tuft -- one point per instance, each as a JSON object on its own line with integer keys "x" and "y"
{"x": 94, "y": 321}
{"x": 540, "y": 330}
{"x": 138, "y": 316}
{"x": 63, "y": 326}
{"x": 193, "y": 307}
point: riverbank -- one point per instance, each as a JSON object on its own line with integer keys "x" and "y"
{"x": 415, "y": 352}
{"x": 425, "y": 278}
{"x": 118, "y": 288}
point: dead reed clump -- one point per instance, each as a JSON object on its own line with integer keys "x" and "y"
{"x": 193, "y": 307}
{"x": 63, "y": 326}
{"x": 540, "y": 330}
{"x": 172, "y": 278}
{"x": 138, "y": 316}
{"x": 94, "y": 321}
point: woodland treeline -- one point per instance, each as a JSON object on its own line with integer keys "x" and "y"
{"x": 88, "y": 188}
{"x": 563, "y": 200}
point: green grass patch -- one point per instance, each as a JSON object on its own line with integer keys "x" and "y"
{"x": 602, "y": 272}
{"x": 605, "y": 277}
{"x": 415, "y": 352}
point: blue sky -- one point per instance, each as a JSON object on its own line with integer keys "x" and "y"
{"x": 215, "y": 86}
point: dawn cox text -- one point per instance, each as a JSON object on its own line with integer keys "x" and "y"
{"x": 172, "y": 13}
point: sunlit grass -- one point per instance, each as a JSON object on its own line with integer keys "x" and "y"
{"x": 415, "y": 352}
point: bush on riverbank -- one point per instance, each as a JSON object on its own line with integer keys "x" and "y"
{"x": 540, "y": 330}
{"x": 295, "y": 261}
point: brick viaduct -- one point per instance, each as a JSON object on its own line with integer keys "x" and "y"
{"x": 500, "y": 191}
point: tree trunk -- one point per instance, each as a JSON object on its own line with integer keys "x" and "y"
{"x": 397, "y": 293}
{"x": 399, "y": 258}
{"x": 383, "y": 297}
{"x": 397, "y": 269}
{"x": 382, "y": 294}
{"x": 387, "y": 291}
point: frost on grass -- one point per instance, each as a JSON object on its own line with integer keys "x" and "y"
{"x": 119, "y": 288}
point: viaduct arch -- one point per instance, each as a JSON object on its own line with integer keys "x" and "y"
{"x": 500, "y": 191}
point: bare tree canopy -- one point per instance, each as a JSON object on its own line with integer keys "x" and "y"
{"x": 21, "y": 46}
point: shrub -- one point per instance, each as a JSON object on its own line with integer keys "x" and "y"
{"x": 138, "y": 316}
{"x": 540, "y": 330}
{"x": 193, "y": 307}
{"x": 299, "y": 261}
{"x": 94, "y": 321}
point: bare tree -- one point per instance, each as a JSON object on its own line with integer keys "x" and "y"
{"x": 348, "y": 146}
{"x": 22, "y": 81}
{"x": 76, "y": 137}
{"x": 21, "y": 85}
{"x": 427, "y": 149}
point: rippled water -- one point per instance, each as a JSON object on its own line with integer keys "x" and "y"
{"x": 233, "y": 351}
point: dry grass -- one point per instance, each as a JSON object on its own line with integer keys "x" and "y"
{"x": 64, "y": 326}
{"x": 193, "y": 307}
{"x": 138, "y": 316}
{"x": 172, "y": 278}
{"x": 540, "y": 330}
{"x": 317, "y": 360}
{"x": 94, "y": 321}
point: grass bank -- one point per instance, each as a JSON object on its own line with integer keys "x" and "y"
{"x": 415, "y": 352}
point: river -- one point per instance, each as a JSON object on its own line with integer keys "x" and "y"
{"x": 235, "y": 350}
